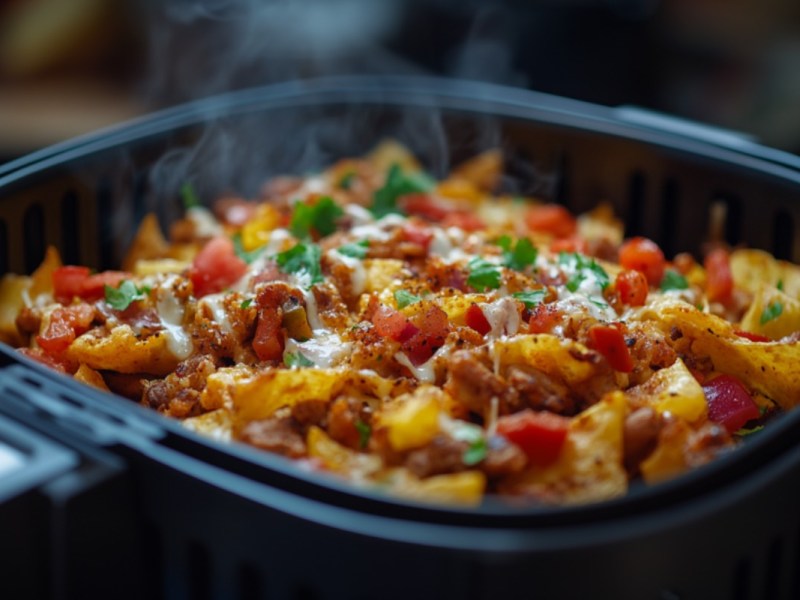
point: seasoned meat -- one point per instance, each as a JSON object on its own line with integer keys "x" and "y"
{"x": 473, "y": 384}
{"x": 640, "y": 436}
{"x": 539, "y": 391}
{"x": 178, "y": 394}
{"x": 442, "y": 455}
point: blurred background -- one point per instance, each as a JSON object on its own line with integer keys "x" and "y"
{"x": 72, "y": 66}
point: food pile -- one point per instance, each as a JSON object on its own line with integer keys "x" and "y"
{"x": 434, "y": 340}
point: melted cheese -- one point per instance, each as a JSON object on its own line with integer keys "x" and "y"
{"x": 424, "y": 372}
{"x": 324, "y": 350}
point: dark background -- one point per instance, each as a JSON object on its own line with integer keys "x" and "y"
{"x": 71, "y": 66}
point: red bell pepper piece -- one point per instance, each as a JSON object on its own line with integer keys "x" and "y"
{"x": 729, "y": 403}
{"x": 551, "y": 218}
{"x": 540, "y": 435}
{"x": 753, "y": 337}
{"x": 609, "y": 341}
{"x": 477, "y": 320}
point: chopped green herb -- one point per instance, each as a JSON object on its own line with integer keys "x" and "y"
{"x": 296, "y": 359}
{"x": 320, "y": 217}
{"x": 246, "y": 303}
{"x": 749, "y": 431}
{"x": 584, "y": 266}
{"x": 364, "y": 433}
{"x": 530, "y": 297}
{"x": 483, "y": 275}
{"x": 673, "y": 281}
{"x": 771, "y": 312}
{"x": 780, "y": 284}
{"x": 405, "y": 298}
{"x": 398, "y": 184}
{"x": 302, "y": 259}
{"x": 355, "y": 249}
{"x": 522, "y": 255}
{"x": 122, "y": 297}
{"x": 347, "y": 180}
{"x": 477, "y": 451}
{"x": 189, "y": 197}
{"x": 598, "y": 303}
{"x": 247, "y": 256}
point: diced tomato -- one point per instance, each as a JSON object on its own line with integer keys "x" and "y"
{"x": 94, "y": 286}
{"x": 551, "y": 218}
{"x": 719, "y": 279}
{"x": 425, "y": 206}
{"x": 541, "y": 435}
{"x": 417, "y": 234}
{"x": 71, "y": 282}
{"x": 216, "y": 267}
{"x": 631, "y": 288}
{"x": 753, "y": 337}
{"x": 431, "y": 330}
{"x": 268, "y": 342}
{"x": 569, "y": 244}
{"x": 464, "y": 220}
{"x": 393, "y": 324}
{"x": 68, "y": 282}
{"x": 64, "y": 326}
{"x": 543, "y": 318}
{"x": 729, "y": 403}
{"x": 477, "y": 320}
{"x": 609, "y": 341}
{"x": 643, "y": 255}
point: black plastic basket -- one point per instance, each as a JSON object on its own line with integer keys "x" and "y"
{"x": 228, "y": 521}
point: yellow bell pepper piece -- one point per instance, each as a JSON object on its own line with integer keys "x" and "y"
{"x": 413, "y": 420}
{"x": 674, "y": 390}
{"x": 256, "y": 232}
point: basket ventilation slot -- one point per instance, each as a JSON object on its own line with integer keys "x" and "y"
{"x": 250, "y": 586}
{"x": 636, "y": 199}
{"x": 783, "y": 235}
{"x": 33, "y": 234}
{"x": 670, "y": 216}
{"x": 199, "y": 574}
{"x": 70, "y": 229}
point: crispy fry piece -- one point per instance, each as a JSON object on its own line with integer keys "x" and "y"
{"x": 148, "y": 243}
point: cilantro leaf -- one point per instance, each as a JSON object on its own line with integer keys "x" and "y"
{"x": 364, "y": 433}
{"x": 477, "y": 451}
{"x": 189, "y": 197}
{"x": 771, "y": 312}
{"x": 246, "y": 303}
{"x": 505, "y": 242}
{"x": 122, "y": 297}
{"x": 320, "y": 216}
{"x": 296, "y": 359}
{"x": 398, "y": 184}
{"x": 247, "y": 256}
{"x": 673, "y": 281}
{"x": 354, "y": 249}
{"x": 404, "y": 298}
{"x": 779, "y": 285}
{"x": 302, "y": 259}
{"x": 530, "y": 297}
{"x": 523, "y": 254}
{"x": 483, "y": 275}
{"x": 584, "y": 267}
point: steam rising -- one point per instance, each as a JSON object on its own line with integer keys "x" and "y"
{"x": 206, "y": 47}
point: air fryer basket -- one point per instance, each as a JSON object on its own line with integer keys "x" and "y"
{"x": 220, "y": 521}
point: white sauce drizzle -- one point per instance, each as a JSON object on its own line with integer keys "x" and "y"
{"x": 171, "y": 312}
{"x": 424, "y": 372}
{"x": 312, "y": 313}
{"x": 378, "y": 230}
{"x": 324, "y": 350}
{"x": 358, "y": 274}
{"x": 214, "y": 304}
{"x": 502, "y": 316}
